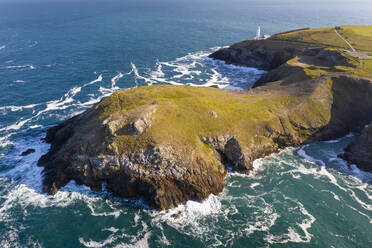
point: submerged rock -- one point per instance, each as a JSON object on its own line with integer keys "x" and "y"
{"x": 28, "y": 152}
{"x": 176, "y": 215}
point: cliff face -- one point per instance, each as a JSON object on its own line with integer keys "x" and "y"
{"x": 170, "y": 144}
{"x": 262, "y": 54}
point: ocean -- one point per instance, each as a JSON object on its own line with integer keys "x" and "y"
{"x": 58, "y": 58}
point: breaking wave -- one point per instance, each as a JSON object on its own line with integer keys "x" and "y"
{"x": 21, "y": 67}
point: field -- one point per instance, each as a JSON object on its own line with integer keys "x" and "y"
{"x": 360, "y": 37}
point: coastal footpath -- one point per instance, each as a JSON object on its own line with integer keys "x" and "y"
{"x": 169, "y": 144}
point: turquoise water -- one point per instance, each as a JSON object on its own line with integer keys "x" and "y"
{"x": 57, "y": 59}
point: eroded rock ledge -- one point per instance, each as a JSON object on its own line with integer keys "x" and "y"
{"x": 170, "y": 144}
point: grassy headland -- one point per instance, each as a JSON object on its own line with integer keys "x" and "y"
{"x": 168, "y": 143}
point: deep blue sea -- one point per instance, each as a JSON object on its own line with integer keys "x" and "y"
{"x": 58, "y": 58}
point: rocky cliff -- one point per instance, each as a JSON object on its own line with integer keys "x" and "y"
{"x": 170, "y": 144}
{"x": 359, "y": 152}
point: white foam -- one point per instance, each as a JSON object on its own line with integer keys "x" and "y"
{"x": 114, "y": 80}
{"x": 111, "y": 229}
{"x": 112, "y": 212}
{"x": 317, "y": 172}
{"x": 189, "y": 213}
{"x": 303, "y": 154}
{"x": 2, "y": 47}
{"x": 263, "y": 225}
{"x": 332, "y": 141}
{"x": 30, "y": 66}
{"x": 363, "y": 175}
{"x": 19, "y": 81}
{"x": 350, "y": 135}
{"x": 4, "y": 141}
{"x": 95, "y": 244}
{"x": 33, "y": 43}
{"x": 138, "y": 76}
{"x": 66, "y": 101}
{"x": 183, "y": 71}
{"x": 15, "y": 126}
{"x": 254, "y": 185}
{"x": 142, "y": 243}
{"x": 28, "y": 191}
{"x": 18, "y": 108}
{"x": 292, "y": 235}
{"x": 335, "y": 196}
{"x": 99, "y": 79}
{"x": 35, "y": 126}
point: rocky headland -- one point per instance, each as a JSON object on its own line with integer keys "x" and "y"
{"x": 170, "y": 144}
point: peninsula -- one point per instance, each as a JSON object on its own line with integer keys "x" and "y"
{"x": 169, "y": 144}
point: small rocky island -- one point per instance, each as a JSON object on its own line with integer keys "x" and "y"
{"x": 169, "y": 144}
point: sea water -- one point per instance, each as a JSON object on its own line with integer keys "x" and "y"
{"x": 59, "y": 58}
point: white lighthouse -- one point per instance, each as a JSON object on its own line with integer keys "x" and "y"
{"x": 259, "y": 36}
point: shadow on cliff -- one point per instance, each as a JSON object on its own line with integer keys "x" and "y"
{"x": 351, "y": 108}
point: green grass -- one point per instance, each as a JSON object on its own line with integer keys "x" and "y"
{"x": 359, "y": 36}
{"x": 324, "y": 36}
{"x": 367, "y": 70}
{"x": 184, "y": 115}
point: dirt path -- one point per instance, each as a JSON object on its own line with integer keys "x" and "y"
{"x": 352, "y": 48}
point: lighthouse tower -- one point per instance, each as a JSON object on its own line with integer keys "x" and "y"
{"x": 258, "y": 34}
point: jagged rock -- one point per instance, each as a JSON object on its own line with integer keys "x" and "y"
{"x": 142, "y": 122}
{"x": 230, "y": 148}
{"x": 259, "y": 54}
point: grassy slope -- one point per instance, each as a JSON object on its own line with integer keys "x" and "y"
{"x": 184, "y": 114}
{"x": 367, "y": 69}
{"x": 324, "y": 36}
{"x": 359, "y": 36}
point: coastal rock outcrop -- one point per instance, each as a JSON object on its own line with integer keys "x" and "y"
{"x": 169, "y": 144}
{"x": 266, "y": 55}
{"x": 359, "y": 152}
{"x": 182, "y": 154}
